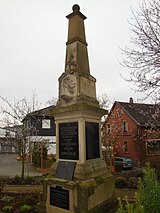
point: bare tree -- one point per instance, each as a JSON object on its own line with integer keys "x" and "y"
{"x": 52, "y": 101}
{"x": 12, "y": 120}
{"x": 144, "y": 56}
{"x": 104, "y": 101}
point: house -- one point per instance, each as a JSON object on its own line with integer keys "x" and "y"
{"x": 133, "y": 130}
{"x": 40, "y": 128}
{"x": 7, "y": 141}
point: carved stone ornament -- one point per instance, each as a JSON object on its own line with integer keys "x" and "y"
{"x": 69, "y": 86}
{"x": 71, "y": 65}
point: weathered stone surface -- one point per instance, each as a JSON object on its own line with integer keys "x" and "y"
{"x": 91, "y": 168}
{"x": 85, "y": 195}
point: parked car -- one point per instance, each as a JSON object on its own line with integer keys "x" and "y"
{"x": 123, "y": 163}
{"x": 19, "y": 158}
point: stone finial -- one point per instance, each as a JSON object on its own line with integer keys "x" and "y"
{"x": 131, "y": 100}
{"x": 76, "y": 8}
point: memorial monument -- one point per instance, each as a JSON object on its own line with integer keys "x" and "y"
{"x": 79, "y": 181}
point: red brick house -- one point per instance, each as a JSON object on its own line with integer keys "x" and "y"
{"x": 133, "y": 130}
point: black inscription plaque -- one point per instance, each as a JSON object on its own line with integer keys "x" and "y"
{"x": 59, "y": 197}
{"x": 68, "y": 141}
{"x": 92, "y": 140}
{"x": 65, "y": 170}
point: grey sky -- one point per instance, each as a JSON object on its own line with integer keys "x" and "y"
{"x": 32, "y": 45}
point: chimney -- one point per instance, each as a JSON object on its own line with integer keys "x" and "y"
{"x": 131, "y": 100}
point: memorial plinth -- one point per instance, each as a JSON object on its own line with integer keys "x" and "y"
{"x": 79, "y": 181}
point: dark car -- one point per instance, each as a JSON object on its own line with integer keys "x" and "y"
{"x": 123, "y": 163}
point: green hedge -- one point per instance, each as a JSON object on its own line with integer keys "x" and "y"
{"x": 36, "y": 157}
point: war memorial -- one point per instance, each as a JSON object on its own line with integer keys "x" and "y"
{"x": 79, "y": 181}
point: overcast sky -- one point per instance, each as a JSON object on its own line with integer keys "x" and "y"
{"x": 33, "y": 34}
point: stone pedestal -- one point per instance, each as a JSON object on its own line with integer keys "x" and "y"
{"x": 91, "y": 195}
{"x": 91, "y": 187}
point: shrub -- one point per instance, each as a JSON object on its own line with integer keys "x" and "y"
{"x": 149, "y": 191}
{"x": 128, "y": 207}
{"x": 7, "y": 198}
{"x": 29, "y": 180}
{"x": 37, "y": 155}
{"x": 25, "y": 208}
{"x": 133, "y": 182}
{"x": 33, "y": 180}
{"x": 120, "y": 182}
{"x": 17, "y": 179}
{"x": 7, "y": 208}
{"x": 53, "y": 158}
{"x": 147, "y": 196}
{"x": 118, "y": 168}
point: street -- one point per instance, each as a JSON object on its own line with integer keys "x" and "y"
{"x": 10, "y": 167}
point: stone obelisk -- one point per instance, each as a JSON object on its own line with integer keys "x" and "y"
{"x": 79, "y": 181}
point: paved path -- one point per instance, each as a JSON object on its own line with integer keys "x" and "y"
{"x": 10, "y": 167}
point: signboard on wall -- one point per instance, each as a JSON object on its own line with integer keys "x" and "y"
{"x": 92, "y": 140}
{"x": 68, "y": 141}
{"x": 59, "y": 197}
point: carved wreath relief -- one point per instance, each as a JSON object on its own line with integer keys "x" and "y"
{"x": 69, "y": 86}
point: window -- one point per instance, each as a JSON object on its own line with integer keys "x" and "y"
{"x": 108, "y": 129}
{"x": 125, "y": 146}
{"x": 153, "y": 147}
{"x": 6, "y": 148}
{"x": 46, "y": 124}
{"x": 124, "y": 127}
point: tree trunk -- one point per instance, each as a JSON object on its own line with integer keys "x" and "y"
{"x": 23, "y": 157}
{"x": 22, "y": 172}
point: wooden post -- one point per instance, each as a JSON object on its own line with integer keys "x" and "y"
{"x": 41, "y": 157}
